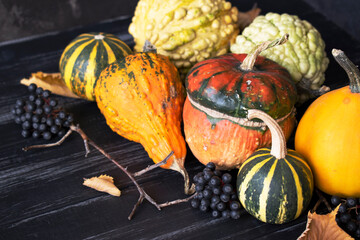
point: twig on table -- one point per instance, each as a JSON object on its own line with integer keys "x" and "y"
{"x": 141, "y": 198}
{"x": 322, "y": 199}
{"x": 151, "y": 167}
{"x": 87, "y": 149}
{"x": 166, "y": 204}
{"x": 143, "y": 194}
{"x": 49, "y": 144}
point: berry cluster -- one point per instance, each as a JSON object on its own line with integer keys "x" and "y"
{"x": 40, "y": 116}
{"x": 348, "y": 215}
{"x": 215, "y": 193}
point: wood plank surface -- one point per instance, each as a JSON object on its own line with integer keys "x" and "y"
{"x": 41, "y": 191}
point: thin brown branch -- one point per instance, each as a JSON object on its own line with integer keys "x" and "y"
{"x": 49, "y": 144}
{"x": 87, "y": 149}
{"x": 141, "y": 198}
{"x": 151, "y": 167}
{"x": 143, "y": 194}
{"x": 166, "y": 204}
{"x": 316, "y": 205}
{"x": 322, "y": 199}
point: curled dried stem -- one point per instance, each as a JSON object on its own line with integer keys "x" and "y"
{"x": 143, "y": 194}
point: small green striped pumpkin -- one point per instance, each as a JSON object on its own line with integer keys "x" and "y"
{"x": 85, "y": 57}
{"x": 275, "y": 185}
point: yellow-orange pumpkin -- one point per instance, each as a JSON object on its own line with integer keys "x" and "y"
{"x": 142, "y": 99}
{"x": 328, "y": 136}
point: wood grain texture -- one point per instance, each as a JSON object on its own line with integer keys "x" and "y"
{"x": 41, "y": 191}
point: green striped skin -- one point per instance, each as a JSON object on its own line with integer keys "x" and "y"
{"x": 85, "y": 57}
{"x": 275, "y": 190}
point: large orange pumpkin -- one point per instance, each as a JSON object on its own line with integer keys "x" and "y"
{"x": 328, "y": 136}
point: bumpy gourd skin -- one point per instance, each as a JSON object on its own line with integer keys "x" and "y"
{"x": 185, "y": 31}
{"x": 142, "y": 98}
{"x": 303, "y": 55}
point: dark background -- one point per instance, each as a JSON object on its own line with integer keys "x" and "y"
{"x": 23, "y": 18}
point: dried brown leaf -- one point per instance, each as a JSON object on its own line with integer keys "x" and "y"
{"x": 49, "y": 81}
{"x": 323, "y": 227}
{"x": 103, "y": 183}
{"x": 245, "y": 18}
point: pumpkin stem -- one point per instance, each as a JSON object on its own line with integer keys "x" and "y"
{"x": 245, "y": 18}
{"x": 178, "y": 166}
{"x": 278, "y": 142}
{"x": 249, "y": 61}
{"x": 149, "y": 47}
{"x": 350, "y": 68}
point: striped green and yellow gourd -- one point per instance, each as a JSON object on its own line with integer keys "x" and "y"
{"x": 274, "y": 185}
{"x": 85, "y": 57}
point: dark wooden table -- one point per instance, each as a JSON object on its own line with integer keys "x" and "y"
{"x": 41, "y": 191}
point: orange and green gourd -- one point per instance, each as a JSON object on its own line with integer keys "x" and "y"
{"x": 219, "y": 93}
{"x": 142, "y": 99}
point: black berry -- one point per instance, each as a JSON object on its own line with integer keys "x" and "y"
{"x": 221, "y": 206}
{"x": 46, "y": 93}
{"x": 226, "y": 178}
{"x": 53, "y": 103}
{"x": 351, "y": 226}
{"x": 195, "y": 203}
{"x": 36, "y": 134}
{"x": 234, "y": 205}
{"x": 351, "y": 202}
{"x": 227, "y": 188}
{"x": 211, "y": 166}
{"x": 215, "y": 181}
{"x": 235, "y": 214}
{"x": 20, "y": 102}
{"x": 39, "y": 91}
{"x": 342, "y": 208}
{"x": 226, "y": 213}
{"x": 47, "y": 135}
{"x": 32, "y": 87}
{"x": 25, "y": 133}
{"x": 216, "y": 213}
